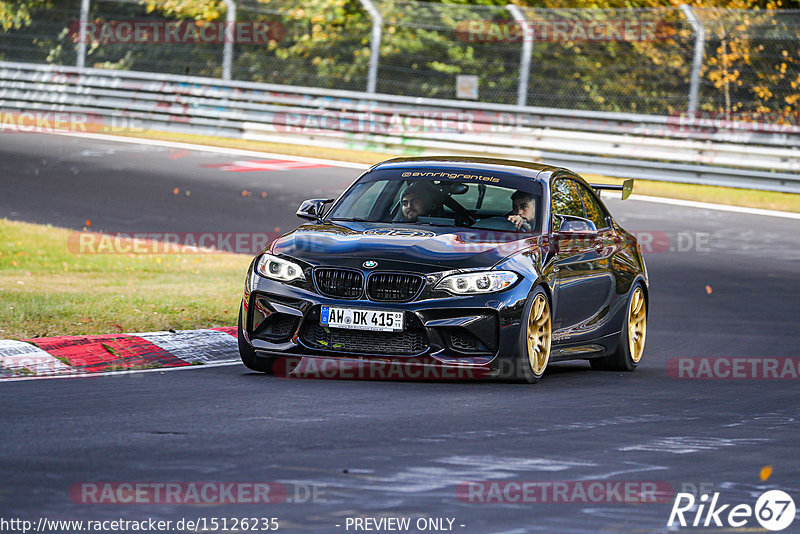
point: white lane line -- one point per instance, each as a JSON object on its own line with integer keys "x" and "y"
{"x": 123, "y": 372}
{"x": 19, "y": 358}
{"x": 215, "y": 149}
{"x": 361, "y": 166}
{"x": 717, "y": 207}
{"x": 206, "y": 346}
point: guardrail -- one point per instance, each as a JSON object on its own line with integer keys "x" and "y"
{"x": 616, "y": 144}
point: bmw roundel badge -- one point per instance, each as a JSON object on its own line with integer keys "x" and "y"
{"x": 370, "y": 264}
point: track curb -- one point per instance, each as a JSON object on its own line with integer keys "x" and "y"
{"x": 69, "y": 356}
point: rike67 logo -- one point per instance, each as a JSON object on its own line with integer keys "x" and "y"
{"x": 774, "y": 510}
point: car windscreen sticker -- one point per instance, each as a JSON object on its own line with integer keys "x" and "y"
{"x": 451, "y": 176}
{"x": 400, "y": 232}
{"x": 501, "y": 179}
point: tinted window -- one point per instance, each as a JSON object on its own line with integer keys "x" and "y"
{"x": 566, "y": 201}
{"x": 593, "y": 210}
{"x": 450, "y": 202}
{"x": 365, "y": 199}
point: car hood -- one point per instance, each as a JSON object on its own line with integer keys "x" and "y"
{"x": 406, "y": 247}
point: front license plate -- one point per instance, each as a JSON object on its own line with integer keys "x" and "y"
{"x": 381, "y": 321}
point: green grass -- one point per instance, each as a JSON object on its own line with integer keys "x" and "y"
{"x": 47, "y": 290}
{"x": 704, "y": 193}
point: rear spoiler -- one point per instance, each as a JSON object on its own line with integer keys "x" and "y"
{"x": 626, "y": 188}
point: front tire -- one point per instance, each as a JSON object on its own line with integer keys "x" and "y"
{"x": 536, "y": 333}
{"x": 250, "y": 359}
{"x": 631, "y": 341}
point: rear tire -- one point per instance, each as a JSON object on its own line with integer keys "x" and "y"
{"x": 250, "y": 359}
{"x": 630, "y": 347}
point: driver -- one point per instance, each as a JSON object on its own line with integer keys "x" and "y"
{"x": 416, "y": 202}
{"x": 523, "y": 210}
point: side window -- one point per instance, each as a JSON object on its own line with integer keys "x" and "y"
{"x": 565, "y": 201}
{"x": 593, "y": 210}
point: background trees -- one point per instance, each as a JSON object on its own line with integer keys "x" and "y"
{"x": 751, "y": 55}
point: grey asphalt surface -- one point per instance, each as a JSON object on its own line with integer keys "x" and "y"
{"x": 389, "y": 449}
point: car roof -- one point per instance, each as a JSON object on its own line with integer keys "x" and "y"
{"x": 522, "y": 168}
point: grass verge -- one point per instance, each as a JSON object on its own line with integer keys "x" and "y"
{"x": 47, "y": 290}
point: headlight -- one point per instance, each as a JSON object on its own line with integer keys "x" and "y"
{"x": 480, "y": 282}
{"x": 277, "y": 268}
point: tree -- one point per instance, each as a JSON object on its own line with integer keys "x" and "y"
{"x": 751, "y": 61}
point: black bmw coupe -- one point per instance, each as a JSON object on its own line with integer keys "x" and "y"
{"x": 484, "y": 264}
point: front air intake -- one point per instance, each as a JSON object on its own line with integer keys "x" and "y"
{"x": 339, "y": 283}
{"x": 393, "y": 287}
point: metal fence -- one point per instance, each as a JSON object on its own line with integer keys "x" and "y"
{"x": 69, "y": 99}
{"x": 653, "y": 61}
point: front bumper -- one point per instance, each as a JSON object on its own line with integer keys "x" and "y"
{"x": 472, "y": 331}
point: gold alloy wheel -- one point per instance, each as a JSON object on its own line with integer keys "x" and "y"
{"x": 539, "y": 335}
{"x": 637, "y": 325}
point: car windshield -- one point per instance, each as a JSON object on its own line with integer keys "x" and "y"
{"x": 443, "y": 203}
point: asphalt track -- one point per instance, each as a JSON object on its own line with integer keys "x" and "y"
{"x": 393, "y": 448}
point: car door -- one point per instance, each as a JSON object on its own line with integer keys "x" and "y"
{"x": 582, "y": 282}
{"x": 606, "y": 243}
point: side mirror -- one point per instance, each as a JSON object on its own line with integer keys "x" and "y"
{"x": 576, "y": 225}
{"x": 312, "y": 209}
{"x": 453, "y": 189}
